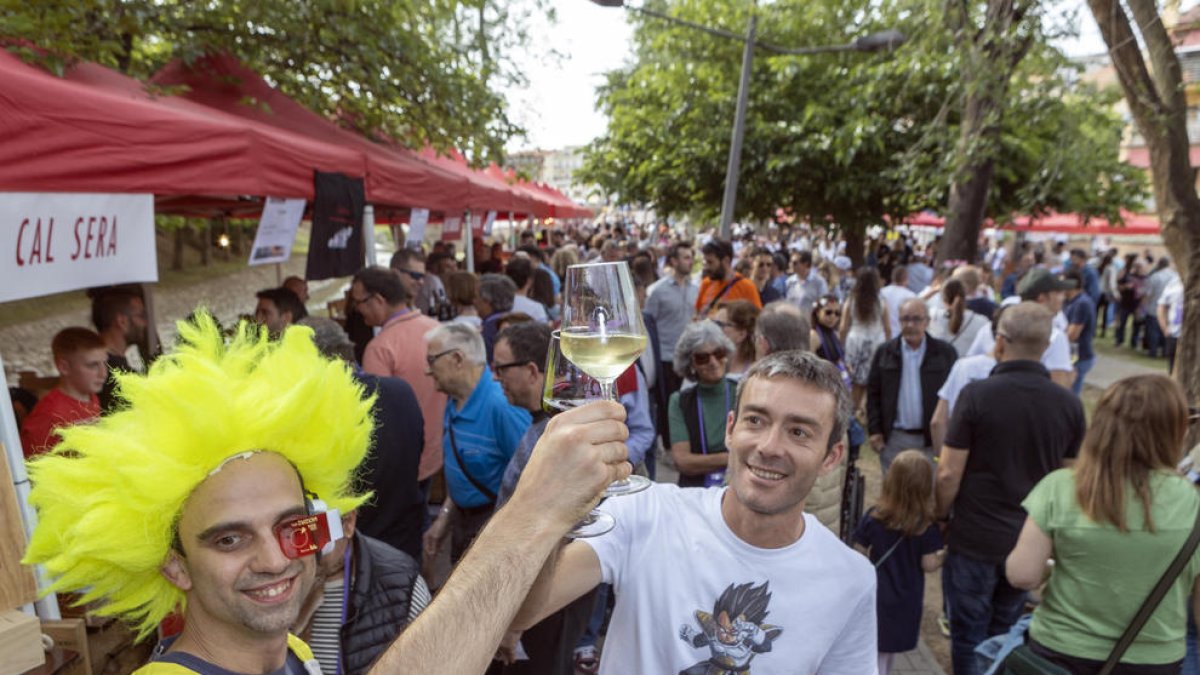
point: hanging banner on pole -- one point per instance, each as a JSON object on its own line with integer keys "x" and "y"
{"x": 57, "y": 242}
{"x": 418, "y": 221}
{"x": 476, "y": 224}
{"x": 276, "y": 230}
{"x": 452, "y": 228}
{"x": 488, "y": 222}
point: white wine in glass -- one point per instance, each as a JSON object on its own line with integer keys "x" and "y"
{"x": 603, "y": 334}
{"x": 568, "y": 387}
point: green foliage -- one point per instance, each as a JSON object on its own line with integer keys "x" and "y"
{"x": 422, "y": 71}
{"x": 851, "y": 136}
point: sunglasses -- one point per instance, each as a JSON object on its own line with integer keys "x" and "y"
{"x": 831, "y": 312}
{"x": 702, "y": 358}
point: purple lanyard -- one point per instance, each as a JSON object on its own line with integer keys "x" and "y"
{"x": 700, "y": 414}
{"x": 397, "y": 315}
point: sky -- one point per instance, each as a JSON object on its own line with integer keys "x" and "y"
{"x": 558, "y": 106}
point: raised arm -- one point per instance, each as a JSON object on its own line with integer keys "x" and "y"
{"x": 582, "y": 451}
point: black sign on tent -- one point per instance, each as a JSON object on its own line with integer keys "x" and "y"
{"x": 336, "y": 249}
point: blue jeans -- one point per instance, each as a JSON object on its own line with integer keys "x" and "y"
{"x": 1154, "y": 337}
{"x": 1191, "y": 659}
{"x": 982, "y": 604}
{"x": 1082, "y": 366}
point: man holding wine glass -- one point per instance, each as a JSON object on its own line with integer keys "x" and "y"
{"x": 738, "y": 553}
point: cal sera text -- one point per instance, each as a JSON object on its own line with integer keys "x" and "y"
{"x": 95, "y": 237}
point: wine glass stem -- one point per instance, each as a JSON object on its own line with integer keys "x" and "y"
{"x": 606, "y": 389}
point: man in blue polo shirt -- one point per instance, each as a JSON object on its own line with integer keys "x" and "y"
{"x": 480, "y": 435}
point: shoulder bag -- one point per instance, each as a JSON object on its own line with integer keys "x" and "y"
{"x": 1022, "y": 660}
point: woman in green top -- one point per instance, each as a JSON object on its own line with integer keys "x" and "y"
{"x": 1113, "y": 523}
{"x": 697, "y": 414}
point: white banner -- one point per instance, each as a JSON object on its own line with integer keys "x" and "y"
{"x": 452, "y": 228}
{"x": 276, "y": 230}
{"x": 488, "y": 222}
{"x": 418, "y": 220}
{"x": 57, "y": 242}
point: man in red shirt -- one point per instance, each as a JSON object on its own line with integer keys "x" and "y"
{"x": 720, "y": 282}
{"x": 82, "y": 362}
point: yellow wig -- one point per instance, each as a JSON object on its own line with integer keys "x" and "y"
{"x": 109, "y": 497}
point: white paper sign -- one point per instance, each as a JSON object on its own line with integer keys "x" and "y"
{"x": 488, "y": 222}
{"x": 418, "y": 220}
{"x": 276, "y": 230}
{"x": 452, "y": 228}
{"x": 57, "y": 242}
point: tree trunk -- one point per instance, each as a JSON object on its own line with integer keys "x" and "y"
{"x": 856, "y": 241}
{"x": 1157, "y": 101}
{"x": 969, "y": 192}
{"x": 178, "y": 238}
{"x": 206, "y": 244}
{"x": 992, "y": 52}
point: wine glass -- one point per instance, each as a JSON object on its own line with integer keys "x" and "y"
{"x": 569, "y": 387}
{"x": 602, "y": 333}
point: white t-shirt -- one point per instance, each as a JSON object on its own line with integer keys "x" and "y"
{"x": 895, "y": 296}
{"x": 972, "y": 324}
{"x": 964, "y": 371}
{"x": 675, "y": 566}
{"x": 1056, "y": 357}
{"x": 1172, "y": 298}
{"x": 527, "y": 305}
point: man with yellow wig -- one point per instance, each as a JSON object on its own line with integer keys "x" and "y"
{"x": 217, "y": 486}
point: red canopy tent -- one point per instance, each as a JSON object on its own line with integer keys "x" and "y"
{"x": 564, "y": 207}
{"x": 1072, "y": 223}
{"x": 393, "y": 177}
{"x": 489, "y": 193}
{"x": 65, "y": 136}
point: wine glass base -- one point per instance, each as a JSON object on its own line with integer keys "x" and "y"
{"x": 594, "y": 524}
{"x": 627, "y": 486}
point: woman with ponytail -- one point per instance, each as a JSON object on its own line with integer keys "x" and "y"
{"x": 956, "y": 324}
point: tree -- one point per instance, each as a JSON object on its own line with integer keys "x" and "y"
{"x": 421, "y": 72}
{"x": 843, "y": 138}
{"x": 1157, "y": 100}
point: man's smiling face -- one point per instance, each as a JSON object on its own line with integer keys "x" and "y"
{"x": 779, "y": 444}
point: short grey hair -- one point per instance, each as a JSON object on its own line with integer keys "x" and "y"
{"x": 783, "y": 326}
{"x": 329, "y": 337}
{"x": 697, "y": 335}
{"x": 498, "y": 291}
{"x": 810, "y": 369}
{"x": 462, "y": 337}
{"x": 1027, "y": 327}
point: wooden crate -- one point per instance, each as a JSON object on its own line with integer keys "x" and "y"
{"x": 17, "y": 585}
{"x": 71, "y": 634}
{"x": 20, "y": 642}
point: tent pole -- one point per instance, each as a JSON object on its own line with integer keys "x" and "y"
{"x": 369, "y": 234}
{"x": 468, "y": 242}
{"x": 47, "y": 606}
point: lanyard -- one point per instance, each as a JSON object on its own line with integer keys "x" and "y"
{"x": 700, "y": 414}
{"x": 397, "y": 315}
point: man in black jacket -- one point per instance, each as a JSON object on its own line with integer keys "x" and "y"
{"x": 906, "y": 373}
{"x": 366, "y": 594}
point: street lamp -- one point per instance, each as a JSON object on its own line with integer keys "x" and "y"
{"x": 875, "y": 42}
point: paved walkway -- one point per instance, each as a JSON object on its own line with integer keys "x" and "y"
{"x": 1109, "y": 369}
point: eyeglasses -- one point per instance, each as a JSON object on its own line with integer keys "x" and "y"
{"x": 361, "y": 301}
{"x": 432, "y": 358}
{"x": 913, "y": 319}
{"x": 501, "y": 367}
{"x": 416, "y": 276}
{"x": 1002, "y": 334}
{"x": 702, "y": 358}
{"x": 831, "y": 312}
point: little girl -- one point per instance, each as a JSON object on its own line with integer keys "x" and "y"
{"x": 899, "y": 535}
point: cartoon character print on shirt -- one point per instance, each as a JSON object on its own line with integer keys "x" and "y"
{"x": 734, "y": 632}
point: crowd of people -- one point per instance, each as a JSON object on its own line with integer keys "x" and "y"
{"x": 773, "y": 361}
